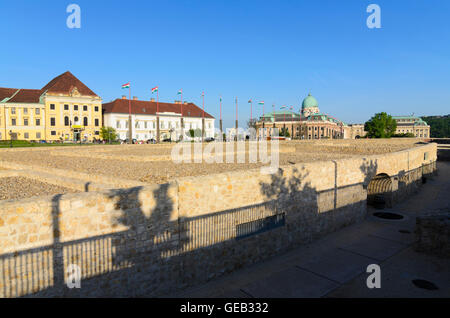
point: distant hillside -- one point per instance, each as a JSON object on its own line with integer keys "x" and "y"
{"x": 439, "y": 125}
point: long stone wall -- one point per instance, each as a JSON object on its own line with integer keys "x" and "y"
{"x": 155, "y": 240}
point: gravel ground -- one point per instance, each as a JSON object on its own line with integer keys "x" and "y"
{"x": 19, "y": 188}
{"x": 163, "y": 171}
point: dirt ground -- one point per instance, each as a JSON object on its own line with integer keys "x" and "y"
{"x": 153, "y": 163}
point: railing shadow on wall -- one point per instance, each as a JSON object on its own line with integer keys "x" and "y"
{"x": 158, "y": 256}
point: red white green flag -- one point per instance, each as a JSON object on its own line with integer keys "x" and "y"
{"x": 261, "y": 103}
{"x": 127, "y": 85}
{"x": 154, "y": 89}
{"x": 180, "y": 92}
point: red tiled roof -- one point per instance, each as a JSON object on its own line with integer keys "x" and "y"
{"x": 6, "y": 92}
{"x": 149, "y": 108}
{"x": 64, "y": 84}
{"x": 26, "y": 96}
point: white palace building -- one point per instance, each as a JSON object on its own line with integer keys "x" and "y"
{"x": 144, "y": 117}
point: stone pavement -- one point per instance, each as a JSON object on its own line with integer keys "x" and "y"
{"x": 335, "y": 266}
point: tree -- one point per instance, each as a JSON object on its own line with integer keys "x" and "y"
{"x": 381, "y": 125}
{"x": 252, "y": 123}
{"x": 285, "y": 132}
{"x": 439, "y": 126}
{"x": 108, "y": 134}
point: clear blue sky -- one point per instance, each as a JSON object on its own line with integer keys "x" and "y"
{"x": 276, "y": 51}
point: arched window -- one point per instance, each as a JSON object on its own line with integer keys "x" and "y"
{"x": 85, "y": 121}
{"x": 76, "y": 119}
{"x": 66, "y": 121}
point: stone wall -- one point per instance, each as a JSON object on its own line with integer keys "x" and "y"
{"x": 155, "y": 240}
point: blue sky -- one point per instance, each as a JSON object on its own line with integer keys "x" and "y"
{"x": 276, "y": 51}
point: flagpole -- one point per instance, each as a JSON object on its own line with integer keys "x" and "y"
{"x": 182, "y": 120}
{"x": 263, "y": 124}
{"x": 130, "y": 133}
{"x": 221, "y": 132}
{"x": 203, "y": 115}
{"x": 236, "y": 119}
{"x": 158, "y": 132}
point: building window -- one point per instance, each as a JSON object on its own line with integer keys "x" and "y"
{"x": 38, "y": 122}
{"x": 37, "y": 111}
{"x": 52, "y": 121}
{"x": 13, "y": 121}
{"x": 145, "y": 124}
{"x": 85, "y": 121}
{"x": 53, "y": 133}
{"x": 85, "y": 108}
{"x": 96, "y": 108}
{"x": 38, "y": 135}
{"x": 97, "y": 133}
{"x": 118, "y": 124}
{"x": 26, "y": 135}
{"x": 96, "y": 122}
{"x": 66, "y": 121}
{"x": 136, "y": 125}
{"x": 25, "y": 111}
{"x": 13, "y": 110}
{"x": 52, "y": 106}
{"x": 66, "y": 107}
{"x": 76, "y": 119}
{"x": 75, "y": 107}
{"x": 25, "y": 121}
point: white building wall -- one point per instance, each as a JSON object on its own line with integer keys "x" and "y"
{"x": 144, "y": 126}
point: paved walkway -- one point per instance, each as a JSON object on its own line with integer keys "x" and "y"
{"x": 335, "y": 266}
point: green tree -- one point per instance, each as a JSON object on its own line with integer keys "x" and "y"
{"x": 439, "y": 126}
{"x": 285, "y": 132}
{"x": 381, "y": 125}
{"x": 252, "y": 123}
{"x": 108, "y": 134}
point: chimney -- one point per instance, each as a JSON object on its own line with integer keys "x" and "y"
{"x": 177, "y": 102}
{"x": 124, "y": 96}
{"x": 185, "y": 103}
{"x": 152, "y": 99}
{"x": 135, "y": 98}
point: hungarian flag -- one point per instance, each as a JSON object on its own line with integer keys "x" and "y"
{"x": 127, "y": 85}
{"x": 203, "y": 93}
{"x": 220, "y": 98}
{"x": 154, "y": 89}
{"x": 250, "y": 100}
{"x": 261, "y": 103}
{"x": 282, "y": 107}
{"x": 180, "y": 92}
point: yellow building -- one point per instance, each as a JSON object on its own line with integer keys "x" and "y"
{"x": 63, "y": 110}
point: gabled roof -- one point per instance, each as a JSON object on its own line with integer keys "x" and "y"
{"x": 142, "y": 107}
{"x": 65, "y": 83}
{"x": 26, "y": 96}
{"x": 6, "y": 92}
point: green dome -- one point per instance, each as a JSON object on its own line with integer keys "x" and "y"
{"x": 310, "y": 101}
